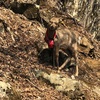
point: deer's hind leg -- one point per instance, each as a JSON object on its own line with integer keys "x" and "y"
{"x": 74, "y": 54}
{"x": 66, "y": 61}
{"x": 76, "y": 60}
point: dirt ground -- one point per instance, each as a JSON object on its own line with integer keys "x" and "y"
{"x": 18, "y": 59}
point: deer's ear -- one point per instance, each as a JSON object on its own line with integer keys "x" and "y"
{"x": 48, "y": 25}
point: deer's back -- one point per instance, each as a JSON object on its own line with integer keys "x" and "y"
{"x": 65, "y": 38}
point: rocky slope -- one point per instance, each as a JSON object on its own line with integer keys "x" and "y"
{"x": 26, "y": 65}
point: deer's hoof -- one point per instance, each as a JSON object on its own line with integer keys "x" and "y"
{"x": 66, "y": 69}
{"x": 73, "y": 77}
{"x": 58, "y": 71}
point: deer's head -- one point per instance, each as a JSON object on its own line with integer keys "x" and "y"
{"x": 54, "y": 23}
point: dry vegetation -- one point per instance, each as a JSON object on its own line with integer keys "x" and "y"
{"x": 22, "y": 39}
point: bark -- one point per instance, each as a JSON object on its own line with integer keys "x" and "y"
{"x": 87, "y": 12}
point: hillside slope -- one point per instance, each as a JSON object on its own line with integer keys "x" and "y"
{"x": 21, "y": 41}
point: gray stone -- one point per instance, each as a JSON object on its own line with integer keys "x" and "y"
{"x": 60, "y": 83}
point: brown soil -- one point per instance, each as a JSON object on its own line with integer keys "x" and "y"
{"x": 18, "y": 59}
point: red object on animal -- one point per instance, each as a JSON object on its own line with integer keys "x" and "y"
{"x": 48, "y": 40}
{"x": 51, "y": 43}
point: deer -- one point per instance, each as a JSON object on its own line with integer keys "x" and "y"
{"x": 61, "y": 39}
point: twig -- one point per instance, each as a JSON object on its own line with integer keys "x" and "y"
{"x": 34, "y": 85}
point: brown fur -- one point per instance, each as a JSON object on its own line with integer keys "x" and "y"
{"x": 65, "y": 40}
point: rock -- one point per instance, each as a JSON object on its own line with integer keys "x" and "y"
{"x": 60, "y": 83}
{"x": 26, "y": 1}
{"x": 31, "y": 12}
{"x": 85, "y": 45}
{"x": 3, "y": 88}
{"x": 7, "y": 93}
{"x": 85, "y": 42}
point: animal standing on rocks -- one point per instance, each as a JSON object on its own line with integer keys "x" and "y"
{"x": 61, "y": 39}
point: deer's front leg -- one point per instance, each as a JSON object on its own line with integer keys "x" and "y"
{"x": 56, "y": 49}
{"x": 54, "y": 57}
{"x": 57, "y": 56}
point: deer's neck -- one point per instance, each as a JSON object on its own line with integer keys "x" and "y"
{"x": 51, "y": 34}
